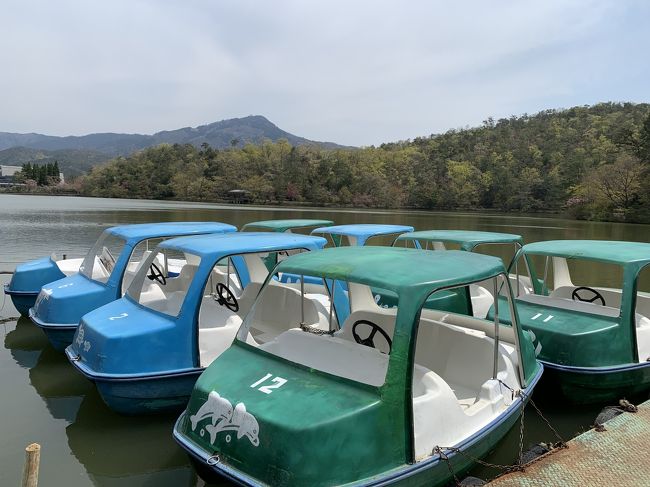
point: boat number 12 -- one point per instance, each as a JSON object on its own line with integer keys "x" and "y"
{"x": 276, "y": 382}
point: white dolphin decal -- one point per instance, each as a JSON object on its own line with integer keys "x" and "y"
{"x": 223, "y": 417}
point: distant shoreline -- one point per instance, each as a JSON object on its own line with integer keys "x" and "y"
{"x": 311, "y": 206}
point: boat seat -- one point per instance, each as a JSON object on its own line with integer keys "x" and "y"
{"x": 182, "y": 281}
{"x": 569, "y": 304}
{"x": 217, "y": 328}
{"x": 383, "y": 317}
{"x": 69, "y": 266}
{"x": 482, "y": 300}
{"x": 461, "y": 356}
{"x": 438, "y": 418}
{"x": 279, "y": 308}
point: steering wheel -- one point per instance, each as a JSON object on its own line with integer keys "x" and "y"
{"x": 225, "y": 297}
{"x": 576, "y": 297}
{"x": 155, "y": 274}
{"x": 369, "y": 340}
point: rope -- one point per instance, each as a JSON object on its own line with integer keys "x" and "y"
{"x": 6, "y": 320}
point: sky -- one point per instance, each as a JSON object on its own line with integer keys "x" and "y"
{"x": 352, "y": 72}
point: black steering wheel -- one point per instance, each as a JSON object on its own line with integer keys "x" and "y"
{"x": 155, "y": 274}
{"x": 369, "y": 340}
{"x": 225, "y": 297}
{"x": 576, "y": 297}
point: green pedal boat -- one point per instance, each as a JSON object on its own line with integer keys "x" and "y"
{"x": 594, "y": 341}
{"x": 323, "y": 386}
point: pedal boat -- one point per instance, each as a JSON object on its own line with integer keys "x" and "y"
{"x": 105, "y": 274}
{"x": 288, "y": 226}
{"x": 367, "y": 401}
{"x": 504, "y": 245}
{"x": 359, "y": 234}
{"x": 29, "y": 277}
{"x": 145, "y": 351}
{"x": 593, "y": 341}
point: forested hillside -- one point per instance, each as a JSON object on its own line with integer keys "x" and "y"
{"x": 592, "y": 162}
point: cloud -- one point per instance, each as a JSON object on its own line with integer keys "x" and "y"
{"x": 352, "y": 72}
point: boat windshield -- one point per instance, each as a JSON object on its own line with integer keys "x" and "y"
{"x": 100, "y": 261}
{"x": 311, "y": 320}
{"x": 162, "y": 282}
{"x": 581, "y": 285}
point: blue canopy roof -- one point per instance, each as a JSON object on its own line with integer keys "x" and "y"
{"x": 363, "y": 231}
{"x": 221, "y": 245}
{"x": 141, "y": 231}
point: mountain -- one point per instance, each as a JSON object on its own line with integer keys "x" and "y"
{"x": 236, "y": 131}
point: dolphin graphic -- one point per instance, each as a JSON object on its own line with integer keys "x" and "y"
{"x": 215, "y": 407}
{"x": 246, "y": 424}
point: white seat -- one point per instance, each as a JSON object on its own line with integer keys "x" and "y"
{"x": 217, "y": 328}
{"x": 278, "y": 309}
{"x": 569, "y": 304}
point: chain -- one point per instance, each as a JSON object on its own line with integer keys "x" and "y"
{"x": 316, "y": 331}
{"x": 445, "y": 458}
{"x": 440, "y": 450}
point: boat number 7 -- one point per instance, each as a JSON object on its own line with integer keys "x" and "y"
{"x": 268, "y": 389}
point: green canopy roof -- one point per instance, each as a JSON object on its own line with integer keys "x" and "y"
{"x": 284, "y": 225}
{"x": 467, "y": 239}
{"x": 635, "y": 254}
{"x": 396, "y": 269}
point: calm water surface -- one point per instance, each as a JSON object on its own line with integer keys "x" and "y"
{"x": 44, "y": 400}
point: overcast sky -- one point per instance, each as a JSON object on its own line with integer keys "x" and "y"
{"x": 352, "y": 72}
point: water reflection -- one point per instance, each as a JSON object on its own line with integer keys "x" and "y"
{"x": 122, "y": 450}
{"x": 86, "y": 443}
{"x": 25, "y": 342}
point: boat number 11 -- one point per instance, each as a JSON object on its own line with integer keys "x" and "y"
{"x": 276, "y": 382}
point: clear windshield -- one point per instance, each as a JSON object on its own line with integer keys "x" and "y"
{"x": 100, "y": 261}
{"x": 332, "y": 326}
{"x": 162, "y": 282}
{"x": 576, "y": 284}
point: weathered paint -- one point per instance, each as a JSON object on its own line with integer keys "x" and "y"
{"x": 320, "y": 429}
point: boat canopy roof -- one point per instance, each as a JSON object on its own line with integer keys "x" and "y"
{"x": 467, "y": 239}
{"x": 396, "y": 269}
{"x": 363, "y": 231}
{"x": 627, "y": 254}
{"x": 141, "y": 231}
{"x": 221, "y": 245}
{"x": 284, "y": 225}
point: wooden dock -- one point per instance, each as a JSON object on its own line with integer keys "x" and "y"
{"x": 617, "y": 456}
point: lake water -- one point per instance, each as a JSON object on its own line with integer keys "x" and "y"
{"x": 84, "y": 443}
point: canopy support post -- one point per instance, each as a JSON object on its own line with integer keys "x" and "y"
{"x": 302, "y": 300}
{"x": 496, "y": 328}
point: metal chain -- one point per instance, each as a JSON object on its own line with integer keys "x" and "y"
{"x": 505, "y": 468}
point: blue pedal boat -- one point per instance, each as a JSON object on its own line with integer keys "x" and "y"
{"x": 29, "y": 277}
{"x": 358, "y": 234}
{"x": 105, "y": 273}
{"x": 145, "y": 351}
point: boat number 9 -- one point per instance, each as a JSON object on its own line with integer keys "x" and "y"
{"x": 276, "y": 382}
